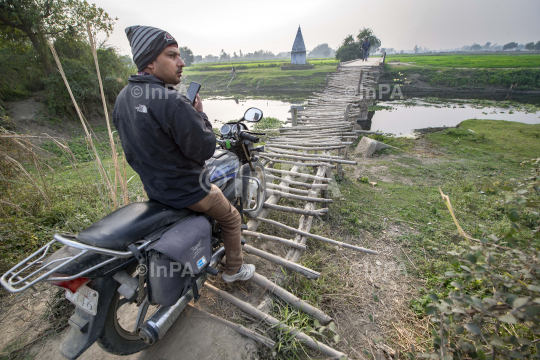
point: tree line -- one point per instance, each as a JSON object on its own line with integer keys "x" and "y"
{"x": 321, "y": 50}
{"x": 26, "y": 62}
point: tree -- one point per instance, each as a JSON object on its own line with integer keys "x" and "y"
{"x": 320, "y": 50}
{"x": 39, "y": 20}
{"x": 476, "y": 47}
{"x": 488, "y": 44}
{"x": 416, "y": 49}
{"x": 537, "y": 46}
{"x": 197, "y": 58}
{"x": 349, "y": 50}
{"x": 510, "y": 46}
{"x": 530, "y": 46}
{"x": 186, "y": 54}
{"x": 374, "y": 42}
{"x": 348, "y": 40}
{"x": 223, "y": 56}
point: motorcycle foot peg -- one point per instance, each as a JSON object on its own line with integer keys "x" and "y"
{"x": 244, "y": 227}
{"x": 211, "y": 270}
{"x": 243, "y": 241}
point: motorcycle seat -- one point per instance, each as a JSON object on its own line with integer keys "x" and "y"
{"x": 130, "y": 223}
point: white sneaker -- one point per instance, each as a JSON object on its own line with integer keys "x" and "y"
{"x": 245, "y": 273}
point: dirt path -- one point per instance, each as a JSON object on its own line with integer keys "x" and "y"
{"x": 192, "y": 337}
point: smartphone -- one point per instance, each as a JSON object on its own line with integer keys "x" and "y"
{"x": 192, "y": 92}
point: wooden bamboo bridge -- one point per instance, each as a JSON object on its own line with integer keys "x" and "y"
{"x": 319, "y": 141}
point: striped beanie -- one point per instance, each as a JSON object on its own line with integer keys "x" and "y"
{"x": 147, "y": 43}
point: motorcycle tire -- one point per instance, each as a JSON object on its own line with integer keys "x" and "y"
{"x": 250, "y": 196}
{"x": 116, "y": 340}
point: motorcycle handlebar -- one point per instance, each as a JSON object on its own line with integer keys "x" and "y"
{"x": 248, "y": 137}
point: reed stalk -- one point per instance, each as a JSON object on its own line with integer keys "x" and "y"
{"x": 97, "y": 159}
{"x": 118, "y": 175}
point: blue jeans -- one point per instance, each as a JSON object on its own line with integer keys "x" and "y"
{"x": 365, "y": 55}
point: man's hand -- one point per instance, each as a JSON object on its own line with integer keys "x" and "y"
{"x": 198, "y": 104}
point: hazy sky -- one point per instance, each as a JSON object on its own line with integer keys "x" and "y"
{"x": 208, "y": 26}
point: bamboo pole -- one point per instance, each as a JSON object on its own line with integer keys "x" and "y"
{"x": 250, "y": 309}
{"x": 297, "y": 174}
{"x": 304, "y": 153}
{"x": 239, "y": 328}
{"x": 305, "y": 148}
{"x": 274, "y": 238}
{"x": 297, "y": 197}
{"x": 318, "y": 212}
{"x": 317, "y": 237}
{"x": 287, "y": 189}
{"x": 308, "y": 273}
{"x": 297, "y": 183}
{"x": 298, "y": 163}
{"x": 291, "y": 299}
{"x": 309, "y": 158}
{"x": 312, "y": 144}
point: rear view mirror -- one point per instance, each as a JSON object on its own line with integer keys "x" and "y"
{"x": 253, "y": 115}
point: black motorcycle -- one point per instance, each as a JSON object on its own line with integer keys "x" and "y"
{"x": 132, "y": 273}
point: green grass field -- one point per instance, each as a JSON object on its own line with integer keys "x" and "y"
{"x": 262, "y": 75}
{"x": 487, "y": 61}
{"x": 239, "y": 65}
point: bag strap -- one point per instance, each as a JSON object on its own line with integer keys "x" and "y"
{"x": 142, "y": 265}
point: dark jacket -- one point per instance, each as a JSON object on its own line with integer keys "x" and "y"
{"x": 366, "y": 45}
{"x": 166, "y": 141}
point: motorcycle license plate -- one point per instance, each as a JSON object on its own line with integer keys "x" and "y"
{"x": 84, "y": 298}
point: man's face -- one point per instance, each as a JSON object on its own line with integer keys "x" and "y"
{"x": 168, "y": 66}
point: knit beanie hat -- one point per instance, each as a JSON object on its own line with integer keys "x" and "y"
{"x": 147, "y": 43}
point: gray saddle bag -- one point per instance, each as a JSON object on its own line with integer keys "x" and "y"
{"x": 177, "y": 258}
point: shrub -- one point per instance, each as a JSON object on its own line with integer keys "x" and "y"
{"x": 268, "y": 123}
{"x": 492, "y": 310}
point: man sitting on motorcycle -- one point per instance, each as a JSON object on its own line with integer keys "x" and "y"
{"x": 166, "y": 140}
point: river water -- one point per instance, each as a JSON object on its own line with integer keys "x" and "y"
{"x": 402, "y": 119}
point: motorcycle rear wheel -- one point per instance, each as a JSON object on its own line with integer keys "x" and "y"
{"x": 118, "y": 338}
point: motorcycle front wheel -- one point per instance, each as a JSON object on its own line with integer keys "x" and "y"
{"x": 250, "y": 190}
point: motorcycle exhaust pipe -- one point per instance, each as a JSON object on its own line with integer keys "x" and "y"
{"x": 155, "y": 328}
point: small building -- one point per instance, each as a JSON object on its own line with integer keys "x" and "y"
{"x": 298, "y": 53}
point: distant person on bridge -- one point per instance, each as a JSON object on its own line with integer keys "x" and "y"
{"x": 365, "y": 49}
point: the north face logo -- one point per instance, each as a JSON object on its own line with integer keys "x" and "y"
{"x": 168, "y": 37}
